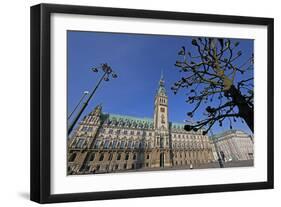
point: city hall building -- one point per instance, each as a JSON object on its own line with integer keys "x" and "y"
{"x": 113, "y": 143}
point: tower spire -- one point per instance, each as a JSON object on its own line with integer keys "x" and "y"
{"x": 161, "y": 89}
{"x": 161, "y": 81}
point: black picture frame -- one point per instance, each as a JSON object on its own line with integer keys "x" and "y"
{"x": 41, "y": 98}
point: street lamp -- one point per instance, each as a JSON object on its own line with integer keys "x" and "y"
{"x": 85, "y": 93}
{"x": 107, "y": 72}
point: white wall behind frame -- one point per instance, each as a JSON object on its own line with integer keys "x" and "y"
{"x": 14, "y": 174}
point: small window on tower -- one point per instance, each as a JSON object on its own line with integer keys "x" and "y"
{"x": 162, "y": 109}
{"x": 162, "y": 119}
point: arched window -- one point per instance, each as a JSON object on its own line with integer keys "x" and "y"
{"x": 101, "y": 157}
{"x": 110, "y": 157}
{"x": 135, "y": 156}
{"x": 92, "y": 157}
{"x": 72, "y": 157}
{"x": 127, "y": 156}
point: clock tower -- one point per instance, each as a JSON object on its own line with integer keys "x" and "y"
{"x": 161, "y": 125}
{"x": 161, "y": 107}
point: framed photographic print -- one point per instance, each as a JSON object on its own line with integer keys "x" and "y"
{"x": 132, "y": 103}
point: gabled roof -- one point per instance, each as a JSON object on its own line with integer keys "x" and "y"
{"x": 127, "y": 121}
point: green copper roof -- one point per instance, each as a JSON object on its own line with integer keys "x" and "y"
{"x": 161, "y": 89}
{"x": 127, "y": 121}
{"x": 131, "y": 118}
{"x": 177, "y": 125}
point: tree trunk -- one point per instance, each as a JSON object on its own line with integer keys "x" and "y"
{"x": 245, "y": 111}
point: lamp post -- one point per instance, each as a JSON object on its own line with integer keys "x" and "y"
{"x": 107, "y": 71}
{"x": 216, "y": 148}
{"x": 84, "y": 94}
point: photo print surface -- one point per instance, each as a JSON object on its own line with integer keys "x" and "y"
{"x": 139, "y": 102}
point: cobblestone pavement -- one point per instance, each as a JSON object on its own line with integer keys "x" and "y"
{"x": 243, "y": 163}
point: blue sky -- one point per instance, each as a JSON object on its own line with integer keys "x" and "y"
{"x": 138, "y": 60}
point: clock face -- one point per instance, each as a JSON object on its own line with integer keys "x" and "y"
{"x": 162, "y": 109}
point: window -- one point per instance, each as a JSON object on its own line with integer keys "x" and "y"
{"x": 135, "y": 156}
{"x": 132, "y": 133}
{"x": 125, "y": 166}
{"x": 162, "y": 109}
{"x": 97, "y": 144}
{"x": 80, "y": 143}
{"x": 116, "y": 167}
{"x": 72, "y": 157}
{"x": 92, "y": 157}
{"x": 110, "y": 157}
{"x": 162, "y": 119}
{"x": 122, "y": 145}
{"x": 118, "y": 156}
{"x": 150, "y": 134}
{"x": 101, "y": 157}
{"x": 98, "y": 167}
{"x": 106, "y": 144}
{"x": 114, "y": 144}
{"x": 90, "y": 129}
{"x": 118, "y": 131}
{"x": 125, "y": 132}
{"x": 130, "y": 144}
{"x": 147, "y": 156}
{"x": 110, "y": 131}
{"x": 138, "y": 133}
{"x": 127, "y": 156}
{"x": 136, "y": 144}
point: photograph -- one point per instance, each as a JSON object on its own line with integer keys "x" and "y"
{"x": 151, "y": 102}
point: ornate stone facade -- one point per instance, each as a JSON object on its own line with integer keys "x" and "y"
{"x": 110, "y": 143}
{"x": 234, "y": 145}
